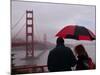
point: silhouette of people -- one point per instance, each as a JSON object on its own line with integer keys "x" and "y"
{"x": 84, "y": 62}
{"x": 61, "y": 58}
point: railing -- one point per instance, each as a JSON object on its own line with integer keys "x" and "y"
{"x": 29, "y": 69}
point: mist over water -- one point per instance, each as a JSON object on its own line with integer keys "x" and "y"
{"x": 42, "y": 55}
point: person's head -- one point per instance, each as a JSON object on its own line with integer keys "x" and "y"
{"x": 60, "y": 41}
{"x": 80, "y": 50}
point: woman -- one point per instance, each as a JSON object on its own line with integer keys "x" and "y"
{"x": 84, "y": 62}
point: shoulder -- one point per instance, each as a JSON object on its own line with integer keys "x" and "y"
{"x": 68, "y": 49}
{"x": 52, "y": 50}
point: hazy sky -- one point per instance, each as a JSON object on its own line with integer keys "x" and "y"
{"x": 49, "y": 18}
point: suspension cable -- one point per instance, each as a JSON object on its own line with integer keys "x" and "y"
{"x": 19, "y": 31}
{"x": 18, "y": 21}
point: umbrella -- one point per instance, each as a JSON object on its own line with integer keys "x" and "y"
{"x": 76, "y": 32}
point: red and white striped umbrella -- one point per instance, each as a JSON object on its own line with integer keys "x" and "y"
{"x": 76, "y": 32}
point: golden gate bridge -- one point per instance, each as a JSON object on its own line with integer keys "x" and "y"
{"x": 27, "y": 41}
{"x": 29, "y": 33}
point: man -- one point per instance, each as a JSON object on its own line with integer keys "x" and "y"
{"x": 61, "y": 58}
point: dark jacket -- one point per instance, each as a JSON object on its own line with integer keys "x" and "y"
{"x": 60, "y": 58}
{"x": 82, "y": 63}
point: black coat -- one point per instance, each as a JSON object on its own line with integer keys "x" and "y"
{"x": 61, "y": 58}
{"x": 82, "y": 63}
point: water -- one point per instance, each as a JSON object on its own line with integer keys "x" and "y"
{"x": 40, "y": 58}
{"x": 42, "y": 55}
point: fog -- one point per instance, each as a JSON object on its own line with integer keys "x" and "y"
{"x": 49, "y": 18}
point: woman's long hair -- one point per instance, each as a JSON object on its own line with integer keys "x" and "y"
{"x": 80, "y": 51}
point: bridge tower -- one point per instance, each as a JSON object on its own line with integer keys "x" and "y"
{"x": 29, "y": 34}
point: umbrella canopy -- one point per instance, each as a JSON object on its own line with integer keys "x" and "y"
{"x": 76, "y": 32}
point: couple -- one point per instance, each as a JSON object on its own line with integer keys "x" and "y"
{"x": 61, "y": 58}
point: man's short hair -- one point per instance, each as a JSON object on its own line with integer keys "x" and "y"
{"x": 60, "y": 40}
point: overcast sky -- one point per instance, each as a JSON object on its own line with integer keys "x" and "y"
{"x": 49, "y": 18}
